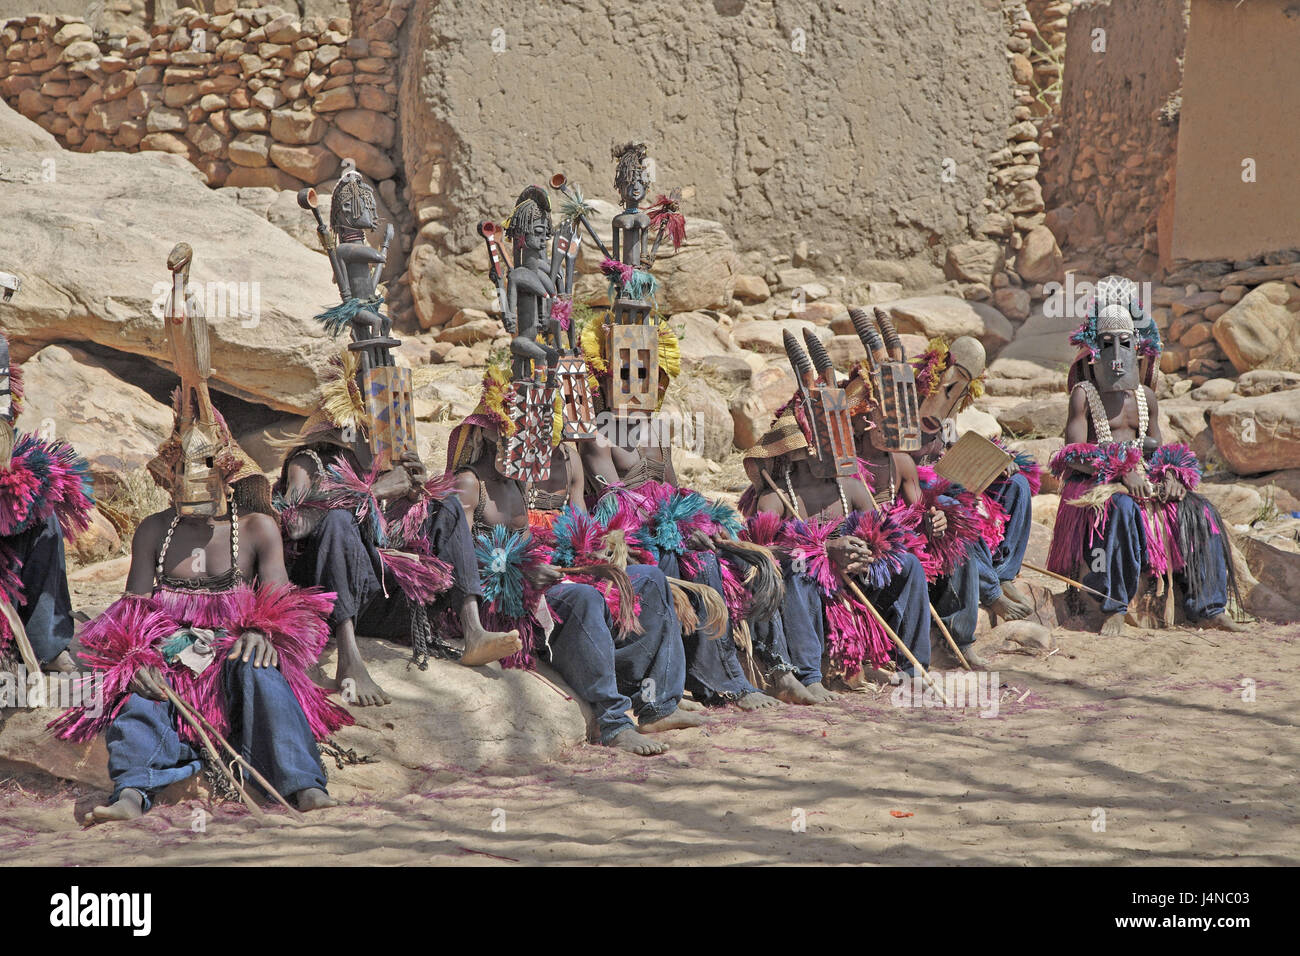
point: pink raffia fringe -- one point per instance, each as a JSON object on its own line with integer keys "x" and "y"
{"x": 127, "y": 636}
{"x": 43, "y": 479}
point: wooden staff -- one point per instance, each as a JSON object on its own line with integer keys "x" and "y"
{"x": 934, "y": 614}
{"x": 25, "y": 650}
{"x": 943, "y": 628}
{"x": 1062, "y": 577}
{"x": 190, "y": 719}
{"x": 898, "y": 641}
{"x": 194, "y": 715}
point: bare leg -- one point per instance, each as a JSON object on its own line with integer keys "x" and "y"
{"x": 637, "y": 743}
{"x": 483, "y": 646}
{"x": 128, "y": 806}
{"x": 351, "y": 676}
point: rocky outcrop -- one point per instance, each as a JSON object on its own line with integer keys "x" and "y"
{"x": 1263, "y": 328}
{"x": 1259, "y": 434}
{"x": 113, "y": 424}
{"x": 90, "y": 242}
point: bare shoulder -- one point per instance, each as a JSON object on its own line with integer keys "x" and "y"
{"x": 151, "y": 529}
{"x": 259, "y": 523}
{"x": 1152, "y": 401}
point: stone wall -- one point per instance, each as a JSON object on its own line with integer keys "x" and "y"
{"x": 1238, "y": 167}
{"x": 1111, "y": 166}
{"x": 251, "y": 96}
{"x": 1110, "y": 177}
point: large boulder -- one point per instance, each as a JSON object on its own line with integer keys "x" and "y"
{"x": 947, "y": 317}
{"x": 702, "y": 273}
{"x": 89, "y": 235}
{"x": 446, "y": 718}
{"x": 1260, "y": 330}
{"x": 1041, "y": 418}
{"x": 1042, "y": 341}
{"x": 1258, "y": 434}
{"x": 766, "y": 335}
{"x": 113, "y": 424}
{"x": 16, "y": 132}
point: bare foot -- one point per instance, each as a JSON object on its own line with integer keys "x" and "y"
{"x": 976, "y": 660}
{"x": 820, "y": 694}
{"x": 791, "y": 691}
{"x": 678, "y": 720}
{"x": 128, "y": 806}
{"x": 356, "y": 684}
{"x": 636, "y": 743}
{"x": 314, "y": 799}
{"x": 63, "y": 664}
{"x": 484, "y": 647}
{"x": 687, "y": 704}
{"x": 1223, "y": 622}
{"x": 1113, "y": 626}
{"x": 1009, "y": 610}
{"x": 757, "y": 701}
{"x": 1020, "y": 597}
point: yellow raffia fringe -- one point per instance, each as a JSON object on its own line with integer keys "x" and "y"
{"x": 341, "y": 398}
{"x": 496, "y": 385}
{"x": 593, "y": 338}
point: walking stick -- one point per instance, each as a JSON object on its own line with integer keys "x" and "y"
{"x": 189, "y": 718}
{"x": 25, "y": 650}
{"x": 943, "y": 628}
{"x": 898, "y": 641}
{"x": 266, "y": 785}
{"x": 1062, "y": 577}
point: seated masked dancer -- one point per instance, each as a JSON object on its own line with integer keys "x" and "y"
{"x": 839, "y": 551}
{"x": 634, "y": 355}
{"x": 360, "y": 517}
{"x": 949, "y": 378}
{"x": 612, "y": 634}
{"x": 955, "y": 525}
{"x": 209, "y": 616}
{"x": 1128, "y": 503}
{"x": 45, "y": 495}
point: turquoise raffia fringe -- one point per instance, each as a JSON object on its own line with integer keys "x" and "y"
{"x": 336, "y": 318}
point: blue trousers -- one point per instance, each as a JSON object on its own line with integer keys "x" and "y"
{"x": 644, "y": 673}
{"x": 905, "y": 605}
{"x": 793, "y": 640}
{"x": 47, "y": 611}
{"x": 335, "y": 557}
{"x": 1114, "y": 555}
{"x": 713, "y": 671}
{"x": 267, "y": 727}
{"x": 957, "y": 597}
{"x": 1016, "y": 499}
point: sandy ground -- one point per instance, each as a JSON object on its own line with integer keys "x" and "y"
{"x": 1134, "y": 750}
